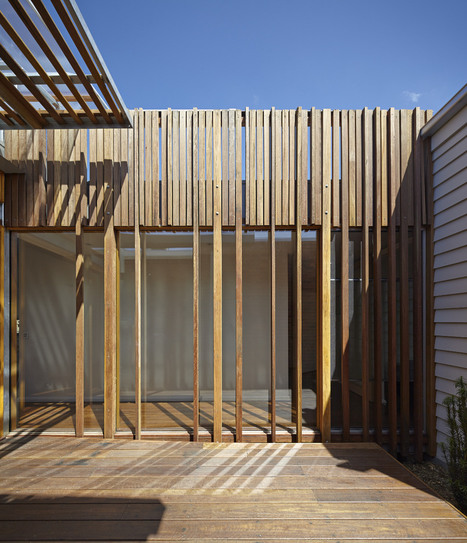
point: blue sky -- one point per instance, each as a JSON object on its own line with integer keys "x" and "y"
{"x": 338, "y": 54}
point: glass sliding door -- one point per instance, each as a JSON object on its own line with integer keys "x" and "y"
{"x": 43, "y": 331}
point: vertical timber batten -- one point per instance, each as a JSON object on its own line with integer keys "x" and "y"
{"x": 273, "y": 272}
{"x": 238, "y": 280}
{"x": 195, "y": 279}
{"x": 217, "y": 278}
{"x": 325, "y": 271}
{"x": 298, "y": 347}
{"x": 138, "y": 345}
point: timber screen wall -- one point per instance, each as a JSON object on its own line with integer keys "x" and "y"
{"x": 271, "y": 287}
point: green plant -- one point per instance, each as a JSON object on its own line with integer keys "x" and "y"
{"x": 455, "y": 450}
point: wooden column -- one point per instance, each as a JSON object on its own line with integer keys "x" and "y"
{"x": 238, "y": 279}
{"x": 217, "y": 278}
{"x": 110, "y": 294}
{"x": 195, "y": 279}
{"x": 325, "y": 271}
{"x": 298, "y": 315}
{"x": 2, "y": 303}
{"x": 13, "y": 331}
{"x": 275, "y": 175}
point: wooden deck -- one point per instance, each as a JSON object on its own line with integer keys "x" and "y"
{"x": 67, "y": 489}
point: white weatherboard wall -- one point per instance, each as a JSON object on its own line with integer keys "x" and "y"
{"x": 449, "y": 155}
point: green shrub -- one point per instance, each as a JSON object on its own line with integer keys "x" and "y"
{"x": 455, "y": 450}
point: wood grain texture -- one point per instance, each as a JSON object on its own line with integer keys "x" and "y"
{"x": 196, "y": 241}
{"x": 238, "y": 279}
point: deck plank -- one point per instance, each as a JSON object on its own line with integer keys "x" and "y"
{"x": 60, "y": 488}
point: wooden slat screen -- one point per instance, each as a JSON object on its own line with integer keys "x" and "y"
{"x": 341, "y": 171}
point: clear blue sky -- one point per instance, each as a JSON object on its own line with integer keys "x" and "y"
{"x": 338, "y": 54}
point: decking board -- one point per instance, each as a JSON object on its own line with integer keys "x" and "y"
{"x": 65, "y": 489}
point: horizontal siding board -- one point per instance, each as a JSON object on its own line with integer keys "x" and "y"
{"x": 452, "y": 198}
{"x": 451, "y": 315}
{"x": 450, "y": 156}
{"x": 449, "y": 170}
{"x": 449, "y": 244}
{"x": 458, "y": 224}
{"x": 451, "y": 344}
{"x": 446, "y": 386}
{"x": 451, "y": 257}
{"x": 457, "y": 210}
{"x": 450, "y": 184}
{"x": 451, "y": 302}
{"x": 450, "y": 142}
{"x": 450, "y": 128}
{"x": 449, "y": 273}
{"x": 456, "y": 329}
{"x": 452, "y": 359}
{"x": 451, "y": 287}
{"x": 448, "y": 372}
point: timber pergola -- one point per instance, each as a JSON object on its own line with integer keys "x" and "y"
{"x": 229, "y": 170}
{"x": 51, "y": 78}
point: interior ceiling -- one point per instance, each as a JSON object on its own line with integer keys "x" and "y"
{"x": 51, "y": 72}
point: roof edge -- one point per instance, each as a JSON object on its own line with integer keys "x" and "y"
{"x": 446, "y": 113}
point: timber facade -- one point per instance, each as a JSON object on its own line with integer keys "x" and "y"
{"x": 225, "y": 275}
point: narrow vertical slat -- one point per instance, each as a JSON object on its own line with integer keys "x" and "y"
{"x": 252, "y": 167}
{"x": 345, "y": 321}
{"x": 189, "y": 168}
{"x": 267, "y": 165}
{"x": 298, "y": 294}
{"x": 202, "y": 168}
{"x": 209, "y": 160}
{"x": 325, "y": 268}
{"x": 138, "y": 336}
{"x": 259, "y": 169}
{"x": 238, "y": 279}
{"x": 70, "y": 157}
{"x": 358, "y": 168}
{"x": 164, "y": 153}
{"x": 100, "y": 176}
{"x": 247, "y": 166}
{"x": 384, "y": 168}
{"x": 398, "y": 169}
{"x": 110, "y": 290}
{"x": 292, "y": 168}
{"x": 277, "y": 165}
{"x": 194, "y": 186}
{"x": 405, "y": 135}
{"x": 392, "y": 283}
{"x": 155, "y": 169}
{"x": 2, "y": 305}
{"x": 225, "y": 166}
{"x": 146, "y": 211}
{"x": 170, "y": 180}
{"x": 131, "y": 176}
{"x": 217, "y": 278}
{"x": 79, "y": 278}
{"x": 117, "y": 179}
{"x": 366, "y": 186}
{"x": 58, "y": 174}
{"x": 352, "y": 171}
{"x": 34, "y": 220}
{"x": 125, "y": 176}
{"x": 304, "y": 196}
{"x": 377, "y": 287}
{"x": 285, "y": 167}
{"x": 318, "y": 150}
{"x": 50, "y": 177}
{"x": 417, "y": 252}
{"x": 141, "y": 167}
{"x": 274, "y": 177}
{"x": 232, "y": 177}
{"x": 335, "y": 169}
{"x": 31, "y": 181}
{"x": 183, "y": 191}
{"x": 13, "y": 334}
{"x": 22, "y": 178}
{"x": 92, "y": 177}
{"x": 42, "y": 174}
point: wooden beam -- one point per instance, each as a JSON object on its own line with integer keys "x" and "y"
{"x": 20, "y": 105}
{"x": 298, "y": 295}
{"x": 217, "y": 278}
{"x": 195, "y": 279}
{"x": 238, "y": 279}
{"x": 325, "y": 269}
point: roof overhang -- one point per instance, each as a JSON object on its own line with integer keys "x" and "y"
{"x": 51, "y": 72}
{"x": 446, "y": 113}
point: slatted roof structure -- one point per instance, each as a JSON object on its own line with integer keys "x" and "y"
{"x": 51, "y": 72}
